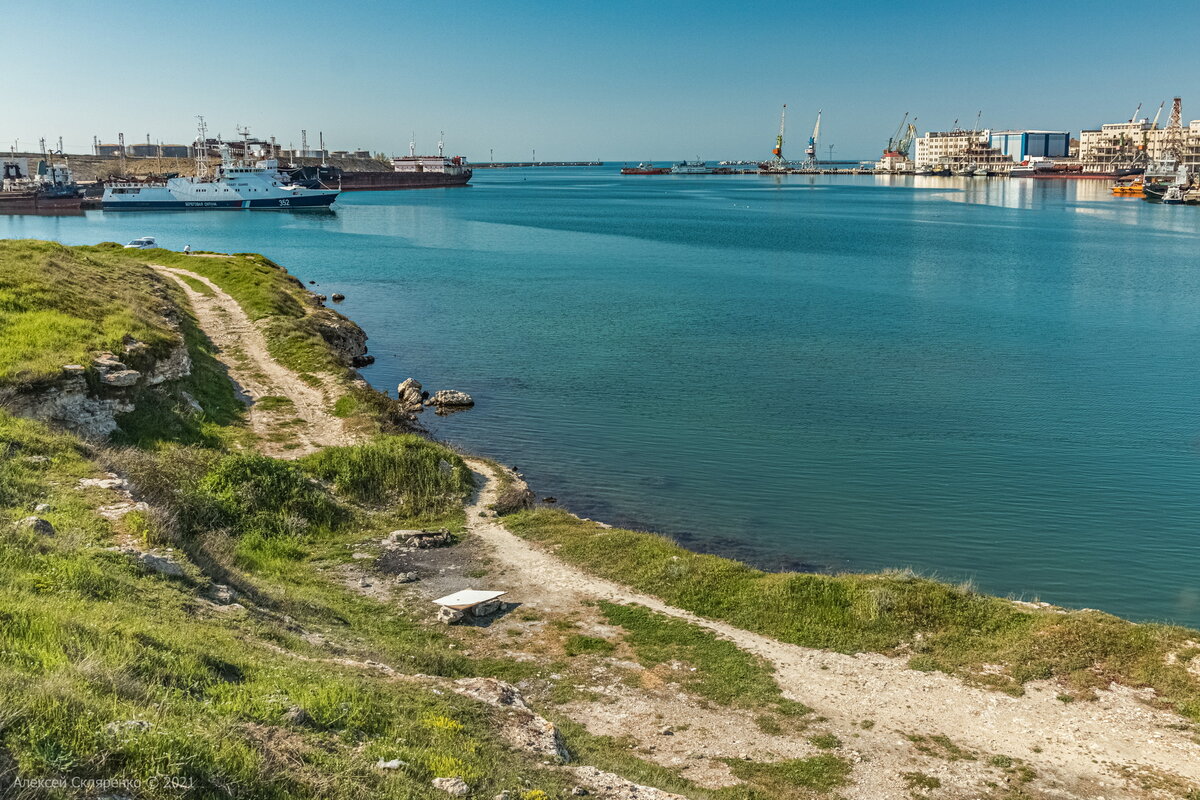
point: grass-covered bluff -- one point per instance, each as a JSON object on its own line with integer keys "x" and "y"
{"x": 110, "y": 671}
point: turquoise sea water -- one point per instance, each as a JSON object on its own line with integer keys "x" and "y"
{"x": 978, "y": 378}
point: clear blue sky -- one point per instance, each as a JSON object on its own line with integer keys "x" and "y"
{"x": 613, "y": 80}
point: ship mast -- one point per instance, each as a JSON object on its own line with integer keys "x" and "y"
{"x": 441, "y": 136}
{"x": 201, "y": 147}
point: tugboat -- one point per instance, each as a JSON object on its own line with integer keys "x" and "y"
{"x": 237, "y": 184}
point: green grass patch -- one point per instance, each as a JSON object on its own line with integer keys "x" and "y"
{"x": 825, "y": 741}
{"x": 723, "y": 673}
{"x": 578, "y": 645}
{"x": 407, "y": 472}
{"x": 60, "y": 305}
{"x": 796, "y": 777}
{"x": 274, "y": 402}
{"x": 952, "y": 628}
{"x": 920, "y": 781}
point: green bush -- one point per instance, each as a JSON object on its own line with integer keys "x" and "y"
{"x": 262, "y": 496}
{"x": 415, "y": 475}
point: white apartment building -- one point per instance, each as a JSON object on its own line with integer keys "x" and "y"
{"x": 938, "y": 147}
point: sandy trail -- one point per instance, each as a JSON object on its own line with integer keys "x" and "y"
{"x": 256, "y": 374}
{"x": 1076, "y": 747}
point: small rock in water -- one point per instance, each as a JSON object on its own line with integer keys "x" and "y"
{"x": 409, "y": 393}
{"x": 338, "y": 297}
{"x": 37, "y": 525}
{"x": 451, "y": 398}
{"x": 312, "y": 283}
{"x": 549, "y": 499}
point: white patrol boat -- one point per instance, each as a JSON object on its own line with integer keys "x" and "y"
{"x": 237, "y": 184}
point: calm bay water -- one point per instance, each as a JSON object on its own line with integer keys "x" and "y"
{"x": 978, "y": 378}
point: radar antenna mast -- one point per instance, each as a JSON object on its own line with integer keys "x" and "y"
{"x": 201, "y": 147}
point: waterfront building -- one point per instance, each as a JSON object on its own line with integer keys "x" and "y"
{"x": 1023, "y": 146}
{"x": 960, "y": 149}
{"x": 945, "y": 147}
{"x": 1139, "y": 141}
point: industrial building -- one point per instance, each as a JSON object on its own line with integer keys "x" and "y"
{"x": 1022, "y": 146}
{"x": 1142, "y": 141}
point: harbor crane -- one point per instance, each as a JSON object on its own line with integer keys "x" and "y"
{"x": 777, "y": 162}
{"x": 893, "y": 145}
{"x": 810, "y": 162}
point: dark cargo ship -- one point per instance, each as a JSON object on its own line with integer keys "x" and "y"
{"x": 408, "y": 172}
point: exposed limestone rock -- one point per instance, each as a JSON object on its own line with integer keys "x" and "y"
{"x": 418, "y": 539}
{"x": 614, "y": 786}
{"x": 450, "y": 398}
{"x": 154, "y": 562}
{"x": 68, "y": 404}
{"x": 37, "y": 525}
{"x": 192, "y": 405}
{"x": 110, "y": 481}
{"x": 455, "y": 787}
{"x": 411, "y": 395}
{"x": 118, "y": 510}
{"x": 120, "y": 378}
{"x": 177, "y": 364}
{"x": 522, "y": 728}
{"x": 514, "y": 496}
{"x": 221, "y": 594}
{"x": 348, "y": 340}
{"x": 91, "y": 411}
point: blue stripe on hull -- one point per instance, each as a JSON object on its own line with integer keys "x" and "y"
{"x": 274, "y": 204}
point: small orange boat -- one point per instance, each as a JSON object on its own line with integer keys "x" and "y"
{"x": 1129, "y": 190}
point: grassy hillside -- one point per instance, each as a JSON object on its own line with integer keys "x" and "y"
{"x": 111, "y": 670}
{"x": 60, "y": 305}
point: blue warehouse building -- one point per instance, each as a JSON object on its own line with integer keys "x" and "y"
{"x": 1025, "y": 145}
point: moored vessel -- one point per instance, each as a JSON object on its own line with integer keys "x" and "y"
{"x": 237, "y": 184}
{"x": 51, "y": 190}
{"x": 646, "y": 168}
{"x": 408, "y": 172}
{"x": 696, "y": 167}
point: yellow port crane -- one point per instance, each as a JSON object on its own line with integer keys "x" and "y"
{"x": 777, "y": 151}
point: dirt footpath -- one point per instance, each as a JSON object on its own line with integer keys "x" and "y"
{"x": 1113, "y": 747}
{"x": 298, "y": 424}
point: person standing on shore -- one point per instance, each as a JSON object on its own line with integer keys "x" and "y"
{"x": 187, "y": 249}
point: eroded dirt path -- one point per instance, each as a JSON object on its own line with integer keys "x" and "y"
{"x": 1114, "y": 747}
{"x": 295, "y": 424}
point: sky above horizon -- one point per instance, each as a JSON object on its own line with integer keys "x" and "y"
{"x": 620, "y": 80}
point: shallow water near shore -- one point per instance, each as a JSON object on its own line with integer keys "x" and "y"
{"x": 982, "y": 379}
